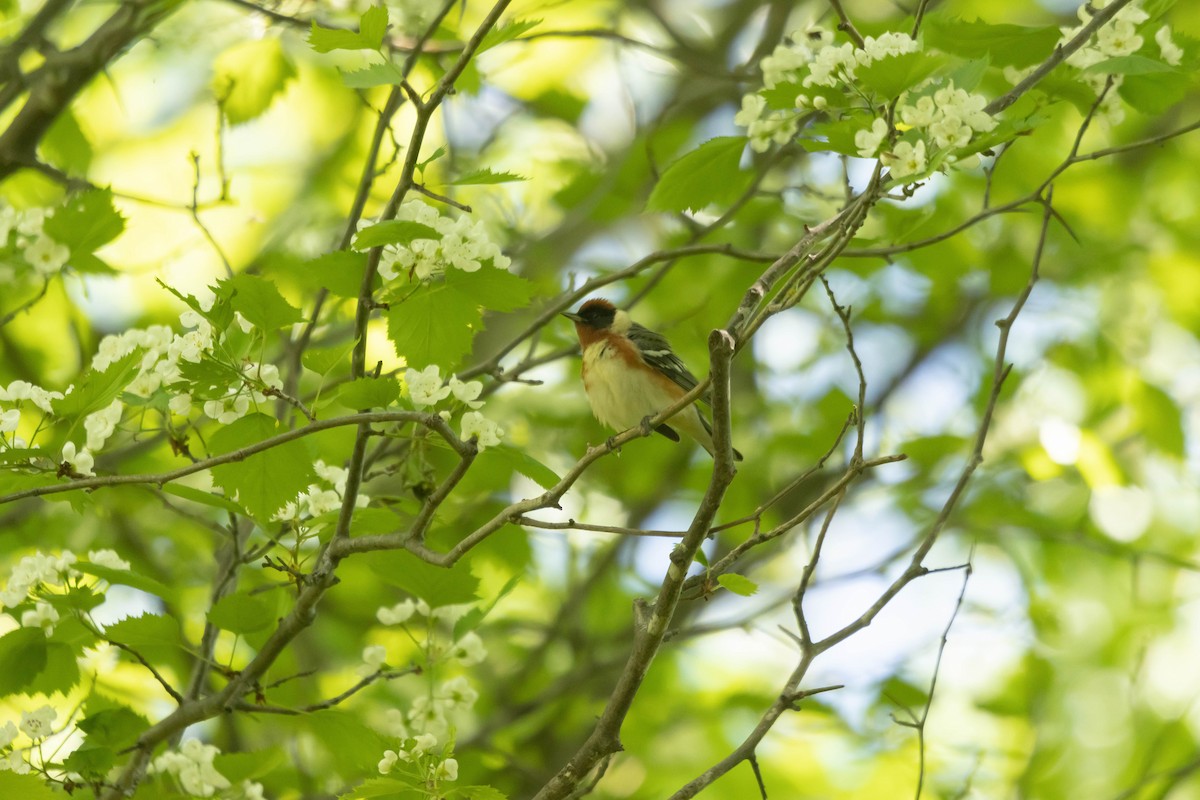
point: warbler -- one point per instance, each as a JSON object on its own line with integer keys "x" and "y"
{"x": 631, "y": 373}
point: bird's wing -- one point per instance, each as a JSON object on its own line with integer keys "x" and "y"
{"x": 656, "y": 351}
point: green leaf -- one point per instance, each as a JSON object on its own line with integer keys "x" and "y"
{"x": 26, "y": 787}
{"x": 490, "y": 288}
{"x": 738, "y": 584}
{"x": 91, "y": 761}
{"x": 204, "y": 498}
{"x": 365, "y": 393}
{"x": 238, "y": 767}
{"x": 265, "y": 481}
{"x": 1154, "y": 94}
{"x": 708, "y": 174}
{"x": 393, "y": 231}
{"x": 434, "y": 326}
{"x": 322, "y": 359}
{"x": 244, "y": 613}
{"x": 98, "y": 389}
{"x": 125, "y": 577}
{"x": 701, "y": 558}
{"x": 967, "y": 75}
{"x": 479, "y": 793}
{"x": 783, "y": 95}
{"x": 486, "y": 176}
{"x": 60, "y": 674}
{"x": 153, "y": 636}
{"x": 437, "y": 586}
{"x": 838, "y": 136}
{"x": 388, "y": 788}
{"x": 1014, "y": 45}
{"x": 514, "y": 459}
{"x": 385, "y": 74}
{"x": 85, "y": 222}
{"x": 351, "y": 743}
{"x": 341, "y": 272}
{"x": 66, "y": 146}
{"x": 372, "y": 26}
{"x": 22, "y": 658}
{"x": 1129, "y": 65}
{"x": 904, "y": 694}
{"x": 472, "y": 619}
{"x": 248, "y": 76}
{"x": 893, "y": 75}
{"x": 113, "y": 727}
{"x": 506, "y": 33}
{"x": 259, "y": 301}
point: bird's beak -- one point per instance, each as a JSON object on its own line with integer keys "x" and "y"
{"x": 572, "y": 316}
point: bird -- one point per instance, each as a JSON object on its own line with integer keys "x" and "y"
{"x": 630, "y": 373}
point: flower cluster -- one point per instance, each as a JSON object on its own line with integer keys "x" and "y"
{"x": 458, "y": 243}
{"x": 829, "y": 67}
{"x": 14, "y": 395}
{"x": 37, "y": 725}
{"x": 40, "y": 577}
{"x": 318, "y": 499}
{"x": 46, "y": 256}
{"x": 427, "y": 388}
{"x": 1120, "y": 36}
{"x": 192, "y": 766}
{"x": 947, "y": 119}
{"x": 244, "y": 394}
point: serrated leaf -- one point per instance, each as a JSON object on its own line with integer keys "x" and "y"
{"x": 838, "y": 136}
{"x": 248, "y": 76}
{"x": 393, "y": 231}
{"x": 738, "y": 584}
{"x": 204, "y": 498}
{"x": 259, "y": 301}
{"x": 85, "y": 222}
{"x": 366, "y": 393}
{"x": 125, "y": 577}
{"x": 66, "y": 146}
{"x": 385, "y": 74}
{"x": 244, "y": 613}
{"x": 26, "y": 787}
{"x": 480, "y": 793}
{"x": 1014, "y": 45}
{"x": 437, "y": 586}
{"x": 520, "y": 461}
{"x": 22, "y": 658}
{"x": 341, "y": 272}
{"x": 381, "y": 788}
{"x": 1129, "y": 65}
{"x": 351, "y": 743}
{"x": 98, "y": 389}
{"x": 893, "y": 75}
{"x": 153, "y": 636}
{"x": 708, "y": 174}
{"x": 434, "y": 326}
{"x": 322, "y": 359}
{"x": 238, "y": 767}
{"x": 506, "y": 33}
{"x": 472, "y": 619}
{"x": 491, "y": 288}
{"x": 372, "y": 26}
{"x": 486, "y": 176}
{"x": 91, "y": 761}
{"x": 60, "y": 673}
{"x": 113, "y": 727}
{"x": 265, "y": 481}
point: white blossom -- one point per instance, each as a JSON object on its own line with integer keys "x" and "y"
{"x": 374, "y": 656}
{"x": 425, "y": 386}
{"x": 107, "y": 558}
{"x": 425, "y": 741}
{"x": 469, "y": 650}
{"x": 41, "y": 616}
{"x": 905, "y": 159}
{"x": 1171, "y": 52}
{"x": 868, "y": 140}
{"x": 9, "y": 420}
{"x": 397, "y": 614}
{"x": 7, "y": 734}
{"x": 466, "y": 391}
{"x": 458, "y": 692}
{"x": 15, "y": 763}
{"x": 38, "y": 724}
{"x": 753, "y": 107}
{"x": 447, "y": 770}
{"x": 180, "y": 404}
{"x": 920, "y": 114}
{"x": 477, "y": 426}
{"x": 101, "y": 424}
{"x": 46, "y": 255}
{"x": 390, "y": 757}
{"x": 192, "y": 766}
{"x": 81, "y": 461}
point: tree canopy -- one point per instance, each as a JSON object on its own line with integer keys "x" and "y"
{"x": 301, "y": 493}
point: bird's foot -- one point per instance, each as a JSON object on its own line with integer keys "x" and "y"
{"x": 611, "y": 442}
{"x": 645, "y": 425}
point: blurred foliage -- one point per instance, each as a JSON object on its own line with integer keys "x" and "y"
{"x": 228, "y": 145}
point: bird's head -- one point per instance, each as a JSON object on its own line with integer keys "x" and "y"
{"x": 596, "y": 314}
